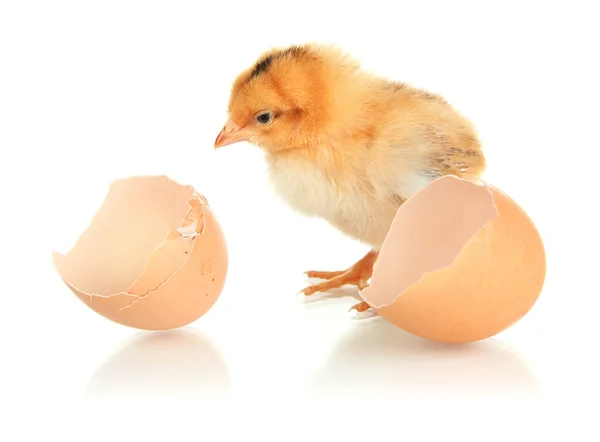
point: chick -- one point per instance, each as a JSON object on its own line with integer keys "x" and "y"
{"x": 346, "y": 145}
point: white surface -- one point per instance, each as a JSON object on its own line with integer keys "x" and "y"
{"x": 94, "y": 91}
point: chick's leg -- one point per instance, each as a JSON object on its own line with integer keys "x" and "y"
{"x": 357, "y": 275}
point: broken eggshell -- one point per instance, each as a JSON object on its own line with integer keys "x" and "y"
{"x": 461, "y": 262}
{"x": 154, "y": 256}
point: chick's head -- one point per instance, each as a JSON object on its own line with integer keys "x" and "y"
{"x": 281, "y": 102}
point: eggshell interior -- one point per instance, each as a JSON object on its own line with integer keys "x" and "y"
{"x": 461, "y": 262}
{"x": 154, "y": 257}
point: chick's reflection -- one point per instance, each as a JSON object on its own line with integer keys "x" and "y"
{"x": 181, "y": 362}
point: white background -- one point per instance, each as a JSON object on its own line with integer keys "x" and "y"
{"x": 95, "y": 91}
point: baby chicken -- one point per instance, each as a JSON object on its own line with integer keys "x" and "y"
{"x": 346, "y": 145}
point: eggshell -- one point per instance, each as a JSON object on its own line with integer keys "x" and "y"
{"x": 154, "y": 256}
{"x": 461, "y": 262}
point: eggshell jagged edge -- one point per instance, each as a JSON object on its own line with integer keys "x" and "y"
{"x": 160, "y": 266}
{"x": 151, "y": 278}
{"x": 411, "y": 251}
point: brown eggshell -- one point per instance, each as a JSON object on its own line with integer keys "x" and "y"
{"x": 154, "y": 256}
{"x": 461, "y": 262}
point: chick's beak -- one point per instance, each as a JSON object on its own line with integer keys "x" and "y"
{"x": 230, "y": 134}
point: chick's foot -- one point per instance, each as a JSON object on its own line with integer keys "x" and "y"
{"x": 357, "y": 275}
{"x": 361, "y": 307}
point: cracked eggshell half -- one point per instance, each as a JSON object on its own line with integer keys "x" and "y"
{"x": 154, "y": 257}
{"x": 461, "y": 262}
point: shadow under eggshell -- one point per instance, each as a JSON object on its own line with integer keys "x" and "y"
{"x": 461, "y": 262}
{"x": 154, "y": 256}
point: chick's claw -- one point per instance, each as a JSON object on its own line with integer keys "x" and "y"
{"x": 341, "y": 279}
{"x": 323, "y": 275}
{"x": 360, "y": 307}
{"x": 357, "y": 275}
{"x": 361, "y": 310}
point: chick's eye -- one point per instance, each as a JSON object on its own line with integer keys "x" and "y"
{"x": 264, "y": 117}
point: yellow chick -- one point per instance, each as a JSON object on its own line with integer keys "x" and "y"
{"x": 346, "y": 145}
